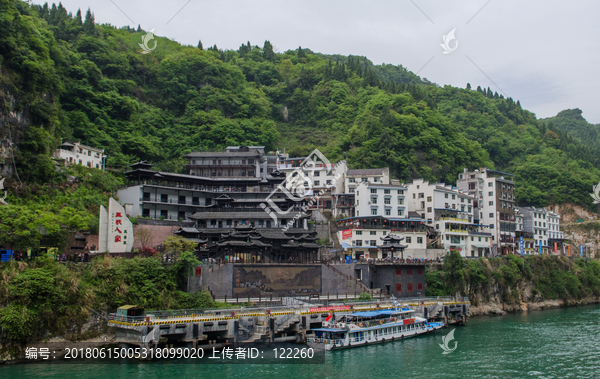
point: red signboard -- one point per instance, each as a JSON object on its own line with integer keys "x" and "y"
{"x": 346, "y": 234}
{"x": 327, "y": 309}
{"x": 409, "y": 321}
{"x": 198, "y": 271}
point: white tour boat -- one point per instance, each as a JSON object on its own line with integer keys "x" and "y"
{"x": 364, "y": 328}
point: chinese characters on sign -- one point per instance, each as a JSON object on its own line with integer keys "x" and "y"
{"x": 116, "y": 231}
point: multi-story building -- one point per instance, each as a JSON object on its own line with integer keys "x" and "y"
{"x": 371, "y": 175}
{"x": 535, "y": 222}
{"x": 213, "y": 202}
{"x": 361, "y": 236}
{"x": 450, "y": 212}
{"x": 236, "y": 162}
{"x": 77, "y": 153}
{"x": 544, "y": 226}
{"x": 524, "y": 241}
{"x": 376, "y": 199}
{"x": 494, "y": 205}
{"x": 320, "y": 181}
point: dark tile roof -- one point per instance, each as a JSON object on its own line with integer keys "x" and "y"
{"x": 233, "y": 154}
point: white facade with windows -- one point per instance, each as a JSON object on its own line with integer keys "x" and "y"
{"x": 449, "y": 210}
{"x": 77, "y": 153}
{"x": 374, "y": 199}
{"x": 371, "y": 175}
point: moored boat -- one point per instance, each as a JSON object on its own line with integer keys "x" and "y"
{"x": 364, "y": 328}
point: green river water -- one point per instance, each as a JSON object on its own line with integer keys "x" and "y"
{"x": 561, "y": 343}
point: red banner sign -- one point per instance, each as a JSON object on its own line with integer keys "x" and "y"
{"x": 328, "y": 309}
{"x": 409, "y": 321}
{"x": 346, "y": 234}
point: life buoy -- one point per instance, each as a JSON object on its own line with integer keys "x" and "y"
{"x": 380, "y": 322}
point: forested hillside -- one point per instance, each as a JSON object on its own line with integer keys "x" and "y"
{"x": 67, "y": 77}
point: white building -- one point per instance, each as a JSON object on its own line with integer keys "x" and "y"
{"x": 376, "y": 199}
{"x": 320, "y": 181}
{"x": 494, "y": 205}
{"x": 77, "y": 153}
{"x": 554, "y": 226}
{"x": 450, "y": 212}
{"x": 361, "y": 236}
{"x": 371, "y": 175}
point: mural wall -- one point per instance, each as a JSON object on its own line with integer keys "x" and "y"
{"x": 276, "y": 280}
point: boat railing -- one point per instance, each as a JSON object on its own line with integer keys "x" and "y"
{"x": 372, "y": 323}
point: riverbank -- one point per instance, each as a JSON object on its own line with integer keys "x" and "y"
{"x": 501, "y": 309}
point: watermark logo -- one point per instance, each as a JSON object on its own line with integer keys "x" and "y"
{"x": 298, "y": 187}
{"x": 145, "y": 40}
{"x": 446, "y": 340}
{"x": 447, "y": 39}
{"x": 3, "y": 199}
{"x": 596, "y": 194}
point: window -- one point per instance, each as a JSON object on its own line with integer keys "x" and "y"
{"x": 400, "y": 192}
{"x": 490, "y": 184}
{"x": 373, "y": 233}
{"x": 352, "y": 180}
{"x": 373, "y": 243}
{"x": 429, "y": 199}
{"x": 422, "y": 204}
{"x": 400, "y": 212}
{"x": 329, "y": 182}
{"x": 491, "y": 203}
{"x": 387, "y": 200}
{"x": 398, "y": 286}
{"x": 491, "y": 193}
{"x": 409, "y": 287}
{"x": 472, "y": 239}
{"x": 408, "y": 239}
{"x": 421, "y": 195}
{"x": 419, "y": 239}
{"x": 358, "y": 242}
{"x": 374, "y": 212}
{"x": 358, "y": 232}
{"x": 453, "y": 197}
{"x": 388, "y": 212}
{"x": 420, "y": 286}
{"x": 318, "y": 173}
{"x": 401, "y": 200}
{"x": 373, "y": 199}
{"x": 446, "y": 195}
{"x": 414, "y": 195}
{"x": 364, "y": 180}
{"x": 491, "y": 215}
{"x": 428, "y": 209}
{"x": 351, "y": 190}
{"x": 373, "y": 190}
{"x": 409, "y": 271}
{"x": 316, "y": 182}
{"x": 387, "y": 191}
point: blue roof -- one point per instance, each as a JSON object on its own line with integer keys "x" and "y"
{"x": 374, "y": 313}
{"x": 329, "y": 330}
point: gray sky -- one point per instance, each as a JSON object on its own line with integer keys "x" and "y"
{"x": 543, "y": 53}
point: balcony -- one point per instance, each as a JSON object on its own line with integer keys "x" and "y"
{"x": 203, "y": 188}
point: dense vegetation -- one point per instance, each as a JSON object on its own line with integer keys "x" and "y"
{"x": 510, "y": 278}
{"x": 43, "y": 298}
{"x": 70, "y": 78}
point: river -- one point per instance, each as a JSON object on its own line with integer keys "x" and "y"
{"x": 555, "y": 343}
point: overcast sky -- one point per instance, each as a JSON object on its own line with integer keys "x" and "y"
{"x": 543, "y": 53}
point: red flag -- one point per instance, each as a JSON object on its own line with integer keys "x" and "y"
{"x": 329, "y": 317}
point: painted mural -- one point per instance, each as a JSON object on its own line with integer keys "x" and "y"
{"x": 276, "y": 281}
